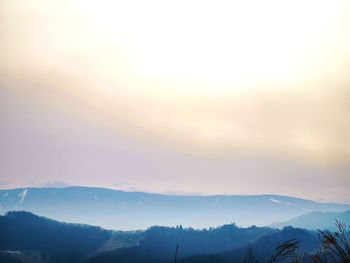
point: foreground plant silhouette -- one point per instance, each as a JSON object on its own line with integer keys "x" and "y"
{"x": 176, "y": 251}
{"x": 335, "y": 246}
{"x": 284, "y": 250}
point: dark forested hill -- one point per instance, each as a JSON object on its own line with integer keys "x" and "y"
{"x": 263, "y": 248}
{"x": 47, "y": 239}
{"x": 226, "y": 244}
{"x": 160, "y": 243}
{"x": 27, "y": 238}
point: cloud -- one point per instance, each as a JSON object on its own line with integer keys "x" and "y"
{"x": 4, "y": 183}
{"x": 57, "y": 183}
{"x": 296, "y": 107}
{"x": 174, "y": 192}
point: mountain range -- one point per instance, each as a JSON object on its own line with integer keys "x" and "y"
{"x": 114, "y": 209}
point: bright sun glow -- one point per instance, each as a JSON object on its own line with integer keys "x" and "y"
{"x": 179, "y": 47}
{"x": 229, "y": 45}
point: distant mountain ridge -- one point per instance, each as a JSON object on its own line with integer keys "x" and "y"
{"x": 114, "y": 209}
{"x": 316, "y": 220}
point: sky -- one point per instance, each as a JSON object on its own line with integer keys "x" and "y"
{"x": 205, "y": 97}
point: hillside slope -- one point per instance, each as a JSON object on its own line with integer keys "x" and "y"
{"x": 27, "y": 236}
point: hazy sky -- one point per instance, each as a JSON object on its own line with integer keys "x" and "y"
{"x": 237, "y": 97}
